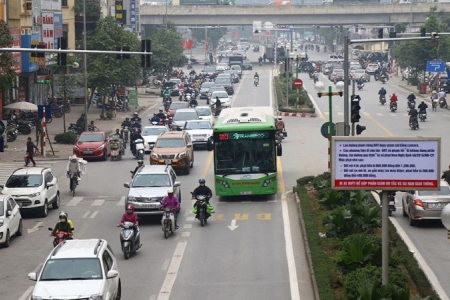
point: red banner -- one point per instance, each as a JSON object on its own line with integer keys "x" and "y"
{"x": 380, "y": 184}
{"x": 187, "y": 44}
{"x": 15, "y": 33}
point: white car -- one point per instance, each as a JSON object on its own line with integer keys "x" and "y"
{"x": 205, "y": 113}
{"x": 10, "y": 220}
{"x": 201, "y": 133}
{"x": 150, "y": 134}
{"x": 78, "y": 269}
{"x": 33, "y": 189}
{"x": 222, "y": 67}
{"x": 223, "y": 97}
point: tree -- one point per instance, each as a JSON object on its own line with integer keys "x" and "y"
{"x": 167, "y": 49}
{"x": 105, "y": 70}
{"x": 6, "y": 60}
{"x": 213, "y": 35}
{"x": 414, "y": 54}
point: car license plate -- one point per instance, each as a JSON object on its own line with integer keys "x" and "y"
{"x": 88, "y": 152}
{"x": 434, "y": 205}
{"x": 168, "y": 161}
{"x": 150, "y": 205}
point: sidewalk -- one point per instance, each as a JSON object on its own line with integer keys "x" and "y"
{"x": 15, "y": 151}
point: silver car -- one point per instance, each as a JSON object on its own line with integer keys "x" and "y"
{"x": 425, "y": 205}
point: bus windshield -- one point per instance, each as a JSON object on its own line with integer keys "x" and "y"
{"x": 245, "y": 156}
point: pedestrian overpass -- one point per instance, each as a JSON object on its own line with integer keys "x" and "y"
{"x": 192, "y": 15}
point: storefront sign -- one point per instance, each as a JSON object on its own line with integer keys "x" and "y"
{"x": 386, "y": 163}
{"x": 48, "y": 36}
{"x": 119, "y": 12}
{"x": 15, "y": 33}
{"x": 133, "y": 14}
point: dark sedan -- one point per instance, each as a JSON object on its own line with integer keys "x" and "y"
{"x": 173, "y": 87}
{"x": 247, "y": 65}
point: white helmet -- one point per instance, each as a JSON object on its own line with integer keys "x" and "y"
{"x": 279, "y": 118}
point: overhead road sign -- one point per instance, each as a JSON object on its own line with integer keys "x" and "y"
{"x": 435, "y": 66}
{"x": 374, "y": 163}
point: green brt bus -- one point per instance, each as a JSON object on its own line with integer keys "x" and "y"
{"x": 245, "y": 152}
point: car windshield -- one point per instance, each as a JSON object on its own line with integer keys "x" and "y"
{"x": 216, "y": 88}
{"x": 223, "y": 80}
{"x": 24, "y": 181}
{"x": 90, "y": 138}
{"x": 207, "y": 85}
{"x": 209, "y": 69}
{"x": 359, "y": 71}
{"x": 198, "y": 125}
{"x": 2, "y": 208}
{"x": 169, "y": 84}
{"x": 339, "y": 72}
{"x": 203, "y": 111}
{"x": 72, "y": 269}
{"x": 220, "y": 95}
{"x": 176, "y": 106}
{"x": 185, "y": 115}
{"x": 236, "y": 68}
{"x": 151, "y": 180}
{"x": 153, "y": 130}
{"x": 444, "y": 191}
{"x": 175, "y": 81}
{"x": 169, "y": 143}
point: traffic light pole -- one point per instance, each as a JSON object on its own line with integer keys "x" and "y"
{"x": 353, "y": 93}
{"x": 346, "y": 95}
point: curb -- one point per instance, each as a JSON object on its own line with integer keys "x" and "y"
{"x": 295, "y": 114}
{"x": 306, "y": 245}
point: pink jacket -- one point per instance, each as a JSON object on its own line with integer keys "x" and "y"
{"x": 171, "y": 202}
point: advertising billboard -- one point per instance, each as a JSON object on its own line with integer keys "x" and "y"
{"x": 48, "y": 28}
{"x": 26, "y": 41}
{"x": 15, "y": 33}
{"x": 397, "y": 163}
{"x": 133, "y": 14}
{"x": 119, "y": 12}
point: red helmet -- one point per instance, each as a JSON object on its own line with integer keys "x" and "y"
{"x": 130, "y": 207}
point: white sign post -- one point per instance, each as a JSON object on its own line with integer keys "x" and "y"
{"x": 361, "y": 163}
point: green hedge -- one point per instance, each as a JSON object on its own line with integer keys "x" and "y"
{"x": 66, "y": 138}
{"x": 304, "y": 102}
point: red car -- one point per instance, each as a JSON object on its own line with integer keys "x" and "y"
{"x": 176, "y": 105}
{"x": 92, "y": 144}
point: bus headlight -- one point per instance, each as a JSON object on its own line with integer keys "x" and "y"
{"x": 268, "y": 181}
{"x": 223, "y": 183}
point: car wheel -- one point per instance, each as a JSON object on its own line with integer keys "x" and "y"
{"x": 187, "y": 171}
{"x": 20, "y": 228}
{"x": 7, "y": 239}
{"x": 412, "y": 222}
{"x": 192, "y": 162}
{"x": 105, "y": 155}
{"x": 44, "y": 210}
{"x": 57, "y": 201}
{"x": 403, "y": 210}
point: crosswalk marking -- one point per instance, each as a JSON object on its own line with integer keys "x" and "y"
{"x": 380, "y": 114}
{"x": 75, "y": 201}
{"x": 6, "y": 169}
{"x": 122, "y": 201}
{"x": 98, "y": 202}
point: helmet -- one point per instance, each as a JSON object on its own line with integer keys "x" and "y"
{"x": 279, "y": 118}
{"x": 434, "y": 92}
{"x": 62, "y": 215}
{"x": 73, "y": 157}
{"x": 130, "y": 207}
{"x": 201, "y": 180}
{"x": 170, "y": 191}
{"x": 140, "y": 161}
{"x": 423, "y": 101}
{"x": 412, "y": 93}
{"x": 135, "y": 113}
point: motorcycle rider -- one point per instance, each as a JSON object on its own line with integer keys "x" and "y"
{"x": 434, "y": 95}
{"x": 422, "y": 107}
{"x": 63, "y": 225}
{"x": 118, "y": 134}
{"x": 155, "y": 118}
{"x": 135, "y": 135}
{"x": 442, "y": 96}
{"x": 411, "y": 98}
{"x": 92, "y": 127}
{"x": 202, "y": 189}
{"x": 393, "y": 99}
{"x": 256, "y": 76}
{"x": 139, "y": 166}
{"x": 161, "y": 115}
{"x": 73, "y": 167}
{"x": 279, "y": 124}
{"x": 68, "y": 221}
{"x": 136, "y": 118}
{"x": 81, "y": 121}
{"x": 193, "y": 103}
{"x": 382, "y": 92}
{"x": 171, "y": 201}
{"x": 218, "y": 105}
{"x": 126, "y": 123}
{"x": 130, "y": 216}
{"x": 413, "y": 115}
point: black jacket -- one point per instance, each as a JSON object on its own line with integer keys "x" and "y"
{"x": 422, "y": 107}
{"x": 202, "y": 190}
{"x": 60, "y": 226}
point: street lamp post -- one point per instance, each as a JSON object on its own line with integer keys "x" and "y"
{"x": 320, "y": 87}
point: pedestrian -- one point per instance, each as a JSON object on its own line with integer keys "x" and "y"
{"x": 30, "y": 150}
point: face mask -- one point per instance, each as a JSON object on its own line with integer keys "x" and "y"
{"x": 62, "y": 220}
{"x": 129, "y": 212}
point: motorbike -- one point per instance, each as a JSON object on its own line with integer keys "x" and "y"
{"x": 422, "y": 116}
{"x": 116, "y": 150}
{"x": 57, "y": 111}
{"x": 360, "y": 86}
{"x": 434, "y": 104}
{"x": 256, "y": 81}
{"x": 442, "y": 103}
{"x": 411, "y": 104}
{"x": 382, "y": 99}
{"x": 413, "y": 123}
{"x": 11, "y": 134}
{"x": 168, "y": 222}
{"x": 167, "y": 104}
{"x": 391, "y": 200}
{"x": 125, "y": 133}
{"x": 139, "y": 149}
{"x": 75, "y": 128}
{"x": 393, "y": 106}
{"x": 383, "y": 79}
{"x": 129, "y": 241}
{"x": 74, "y": 180}
{"x": 201, "y": 204}
{"x": 60, "y": 236}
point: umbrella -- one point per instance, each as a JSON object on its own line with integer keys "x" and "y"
{"x": 22, "y": 105}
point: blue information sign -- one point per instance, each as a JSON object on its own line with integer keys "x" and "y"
{"x": 435, "y": 66}
{"x": 48, "y": 111}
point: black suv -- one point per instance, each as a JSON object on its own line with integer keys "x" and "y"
{"x": 226, "y": 82}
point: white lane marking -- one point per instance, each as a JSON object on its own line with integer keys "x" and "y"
{"x": 339, "y": 113}
{"x": 187, "y": 226}
{"x": 98, "y": 202}
{"x": 122, "y": 201}
{"x": 39, "y": 266}
{"x": 86, "y": 214}
{"x": 366, "y": 114}
{"x": 319, "y": 112}
{"x": 75, "y": 201}
{"x": 94, "y": 214}
{"x": 27, "y": 293}
{"x": 185, "y": 234}
{"x": 152, "y": 297}
{"x": 380, "y": 114}
{"x": 293, "y": 281}
{"x": 172, "y": 272}
{"x": 190, "y": 218}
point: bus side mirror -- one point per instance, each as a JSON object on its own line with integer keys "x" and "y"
{"x": 279, "y": 150}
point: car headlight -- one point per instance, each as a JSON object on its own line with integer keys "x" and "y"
{"x": 76, "y": 148}
{"x": 34, "y": 195}
{"x": 181, "y": 155}
{"x": 131, "y": 198}
{"x": 1, "y": 222}
{"x": 154, "y": 155}
{"x": 101, "y": 147}
{"x": 96, "y": 297}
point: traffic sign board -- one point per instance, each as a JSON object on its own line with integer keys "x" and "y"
{"x": 297, "y": 84}
{"x": 324, "y": 130}
{"x": 435, "y": 66}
